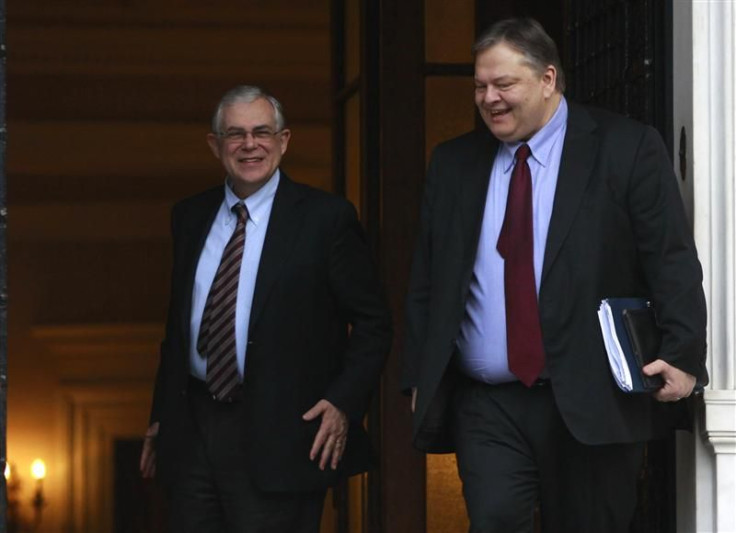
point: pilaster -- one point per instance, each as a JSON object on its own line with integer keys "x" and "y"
{"x": 714, "y": 156}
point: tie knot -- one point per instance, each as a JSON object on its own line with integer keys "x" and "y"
{"x": 241, "y": 212}
{"x": 523, "y": 152}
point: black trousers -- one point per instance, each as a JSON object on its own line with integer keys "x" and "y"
{"x": 514, "y": 451}
{"x": 211, "y": 491}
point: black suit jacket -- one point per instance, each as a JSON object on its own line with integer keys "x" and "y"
{"x": 315, "y": 279}
{"x": 618, "y": 229}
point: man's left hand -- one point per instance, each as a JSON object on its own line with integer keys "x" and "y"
{"x": 332, "y": 434}
{"x": 677, "y": 383}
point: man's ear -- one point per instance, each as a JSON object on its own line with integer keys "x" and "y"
{"x": 549, "y": 79}
{"x": 214, "y": 144}
{"x": 285, "y": 136}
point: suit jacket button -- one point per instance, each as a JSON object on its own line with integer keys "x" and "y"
{"x": 251, "y": 343}
{"x": 183, "y": 392}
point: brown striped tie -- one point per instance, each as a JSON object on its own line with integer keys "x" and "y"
{"x": 217, "y": 330}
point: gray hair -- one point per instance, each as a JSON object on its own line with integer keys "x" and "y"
{"x": 526, "y": 36}
{"x": 247, "y": 94}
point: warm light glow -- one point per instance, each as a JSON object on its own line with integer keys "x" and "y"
{"x": 38, "y": 469}
{"x": 8, "y": 472}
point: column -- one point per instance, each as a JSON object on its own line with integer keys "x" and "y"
{"x": 712, "y": 448}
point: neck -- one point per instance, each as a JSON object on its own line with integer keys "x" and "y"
{"x": 552, "y": 105}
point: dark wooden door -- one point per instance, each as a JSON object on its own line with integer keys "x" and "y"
{"x": 355, "y": 126}
{"x": 378, "y": 151}
{"x": 617, "y": 55}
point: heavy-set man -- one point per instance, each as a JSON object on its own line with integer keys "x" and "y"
{"x": 526, "y": 225}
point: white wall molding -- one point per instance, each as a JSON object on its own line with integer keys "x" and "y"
{"x": 720, "y": 421}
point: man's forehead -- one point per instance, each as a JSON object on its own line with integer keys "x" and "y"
{"x": 259, "y": 112}
{"x": 515, "y": 68}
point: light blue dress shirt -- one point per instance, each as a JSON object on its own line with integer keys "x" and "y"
{"x": 259, "y": 206}
{"x": 482, "y": 339}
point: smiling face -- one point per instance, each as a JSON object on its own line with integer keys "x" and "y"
{"x": 514, "y": 100}
{"x": 249, "y": 160}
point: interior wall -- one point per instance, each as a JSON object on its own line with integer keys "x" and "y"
{"x": 109, "y": 103}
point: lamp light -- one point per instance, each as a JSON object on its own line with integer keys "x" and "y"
{"x": 12, "y": 484}
{"x": 38, "y": 472}
{"x": 15, "y": 520}
{"x": 38, "y": 469}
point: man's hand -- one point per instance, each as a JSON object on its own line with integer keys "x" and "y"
{"x": 332, "y": 433}
{"x": 677, "y": 384}
{"x": 413, "y": 399}
{"x": 148, "y": 455}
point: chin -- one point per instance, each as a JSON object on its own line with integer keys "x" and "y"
{"x": 503, "y": 136}
{"x": 251, "y": 179}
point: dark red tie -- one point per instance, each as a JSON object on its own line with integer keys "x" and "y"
{"x": 217, "y": 330}
{"x": 516, "y": 246}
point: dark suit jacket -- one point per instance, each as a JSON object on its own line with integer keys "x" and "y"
{"x": 316, "y": 278}
{"x": 618, "y": 229}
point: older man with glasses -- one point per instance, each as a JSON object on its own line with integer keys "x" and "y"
{"x": 276, "y": 335}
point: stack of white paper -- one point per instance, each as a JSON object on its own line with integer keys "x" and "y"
{"x": 616, "y": 357}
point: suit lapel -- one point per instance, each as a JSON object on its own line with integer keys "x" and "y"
{"x": 576, "y": 166}
{"x": 280, "y": 238}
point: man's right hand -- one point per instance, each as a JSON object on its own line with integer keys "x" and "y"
{"x": 148, "y": 455}
{"x": 413, "y": 399}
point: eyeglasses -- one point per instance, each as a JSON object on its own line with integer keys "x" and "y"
{"x": 239, "y": 136}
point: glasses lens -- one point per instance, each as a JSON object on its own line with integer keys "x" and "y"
{"x": 240, "y": 136}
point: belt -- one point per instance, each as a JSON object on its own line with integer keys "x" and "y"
{"x": 540, "y": 382}
{"x": 197, "y": 386}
